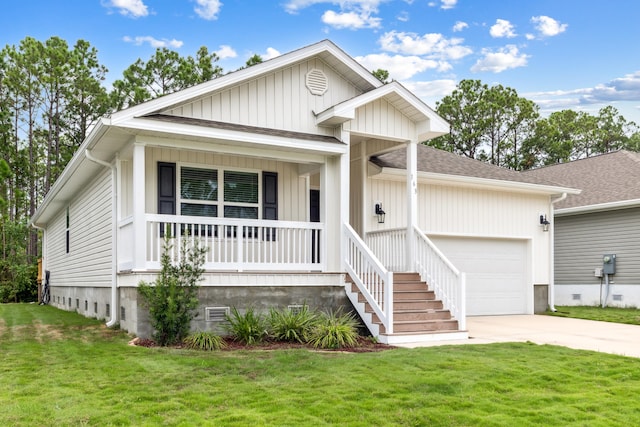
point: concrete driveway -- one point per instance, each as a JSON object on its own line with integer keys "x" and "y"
{"x": 605, "y": 337}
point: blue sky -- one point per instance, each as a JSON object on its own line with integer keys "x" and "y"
{"x": 578, "y": 54}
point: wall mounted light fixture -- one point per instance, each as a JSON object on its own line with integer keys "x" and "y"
{"x": 380, "y": 213}
{"x": 544, "y": 222}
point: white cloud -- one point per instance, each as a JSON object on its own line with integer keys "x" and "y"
{"x": 133, "y": 8}
{"x": 503, "y": 59}
{"x": 433, "y": 45}
{"x": 530, "y": 36}
{"x": 403, "y": 16}
{"x": 153, "y": 42}
{"x": 623, "y": 92}
{"x": 399, "y": 67}
{"x": 448, "y": 4}
{"x": 502, "y": 28}
{"x": 351, "y": 20}
{"x": 548, "y": 27}
{"x": 293, "y": 6}
{"x": 459, "y": 26}
{"x": 208, "y": 9}
{"x": 352, "y": 14}
{"x": 226, "y": 51}
{"x": 271, "y": 53}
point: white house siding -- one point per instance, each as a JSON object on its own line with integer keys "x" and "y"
{"x": 292, "y": 197}
{"x": 382, "y": 119}
{"x": 82, "y": 277}
{"x": 448, "y": 210}
{"x": 278, "y": 100}
{"x": 580, "y": 243}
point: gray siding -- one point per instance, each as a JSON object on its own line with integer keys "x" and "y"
{"x": 581, "y": 240}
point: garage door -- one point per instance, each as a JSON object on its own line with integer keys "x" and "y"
{"x": 496, "y": 270}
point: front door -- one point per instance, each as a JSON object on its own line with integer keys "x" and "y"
{"x": 314, "y": 216}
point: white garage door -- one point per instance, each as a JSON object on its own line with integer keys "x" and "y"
{"x": 496, "y": 270}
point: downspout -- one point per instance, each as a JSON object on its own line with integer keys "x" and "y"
{"x": 44, "y": 254}
{"x": 552, "y": 255}
{"x": 114, "y": 237}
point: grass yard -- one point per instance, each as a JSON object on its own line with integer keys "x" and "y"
{"x": 629, "y": 316}
{"x": 58, "y": 368}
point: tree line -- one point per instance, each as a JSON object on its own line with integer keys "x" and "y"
{"x": 494, "y": 124}
{"x": 52, "y": 93}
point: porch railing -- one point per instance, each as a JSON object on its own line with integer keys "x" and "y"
{"x": 371, "y": 277}
{"x": 235, "y": 244}
{"x": 443, "y": 277}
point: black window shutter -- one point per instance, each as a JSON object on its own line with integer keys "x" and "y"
{"x": 166, "y": 188}
{"x": 166, "y": 192}
{"x": 270, "y": 201}
{"x": 269, "y": 195}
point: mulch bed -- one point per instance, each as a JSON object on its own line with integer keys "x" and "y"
{"x": 364, "y": 345}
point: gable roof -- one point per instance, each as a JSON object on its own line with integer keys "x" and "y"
{"x": 607, "y": 181}
{"x": 398, "y": 96}
{"x": 438, "y": 164}
{"x": 325, "y": 50}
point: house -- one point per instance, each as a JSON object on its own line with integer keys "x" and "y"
{"x": 603, "y": 220}
{"x": 305, "y": 178}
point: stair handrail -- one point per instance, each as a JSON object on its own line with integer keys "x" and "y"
{"x": 371, "y": 277}
{"x": 447, "y": 281}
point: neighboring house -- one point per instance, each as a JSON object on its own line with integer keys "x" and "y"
{"x": 301, "y": 175}
{"x": 604, "y": 219}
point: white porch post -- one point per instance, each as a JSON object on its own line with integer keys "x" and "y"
{"x": 412, "y": 202}
{"x": 139, "y": 197}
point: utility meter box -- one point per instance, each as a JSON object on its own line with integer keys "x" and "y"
{"x": 609, "y": 264}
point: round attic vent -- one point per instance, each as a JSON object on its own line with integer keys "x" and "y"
{"x": 317, "y": 82}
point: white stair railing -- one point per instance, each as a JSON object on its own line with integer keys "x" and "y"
{"x": 448, "y": 283}
{"x": 371, "y": 277}
{"x": 442, "y": 276}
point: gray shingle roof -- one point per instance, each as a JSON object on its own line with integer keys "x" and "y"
{"x": 607, "y": 178}
{"x": 243, "y": 128}
{"x": 443, "y": 162}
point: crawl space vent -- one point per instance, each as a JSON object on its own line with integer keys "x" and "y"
{"x": 295, "y": 308}
{"x": 617, "y": 297}
{"x": 317, "y": 82}
{"x": 216, "y": 314}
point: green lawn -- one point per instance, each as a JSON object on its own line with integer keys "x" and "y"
{"x": 608, "y": 314}
{"x": 57, "y": 368}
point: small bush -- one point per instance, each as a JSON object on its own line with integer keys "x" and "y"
{"x": 334, "y": 330}
{"x": 173, "y": 297}
{"x": 291, "y": 326}
{"x": 204, "y": 341}
{"x": 248, "y": 328}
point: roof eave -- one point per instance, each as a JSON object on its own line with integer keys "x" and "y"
{"x": 476, "y": 182}
{"x": 610, "y": 206}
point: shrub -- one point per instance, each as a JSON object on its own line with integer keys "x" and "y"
{"x": 334, "y": 330}
{"x": 204, "y": 341}
{"x": 248, "y": 328}
{"x": 174, "y": 296}
{"x": 291, "y": 326}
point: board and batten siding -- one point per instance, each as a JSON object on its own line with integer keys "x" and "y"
{"x": 88, "y": 263}
{"x": 292, "y": 197}
{"x": 448, "y": 210}
{"x": 382, "y": 119}
{"x": 278, "y": 100}
{"x": 582, "y": 240}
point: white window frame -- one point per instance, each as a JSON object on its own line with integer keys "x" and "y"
{"x": 220, "y": 203}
